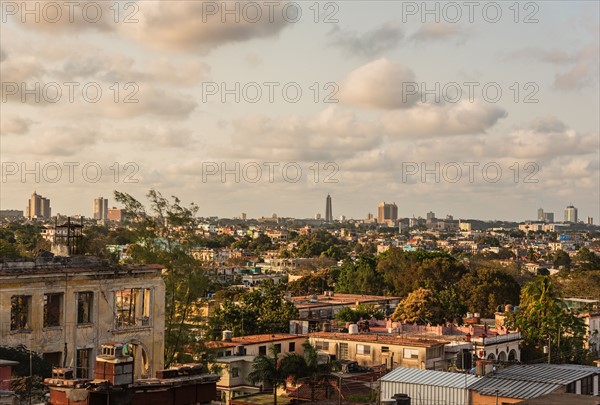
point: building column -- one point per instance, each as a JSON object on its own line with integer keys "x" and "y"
{"x": 578, "y": 387}
{"x": 595, "y": 385}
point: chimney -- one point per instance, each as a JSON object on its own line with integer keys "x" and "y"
{"x": 227, "y": 336}
{"x": 113, "y": 365}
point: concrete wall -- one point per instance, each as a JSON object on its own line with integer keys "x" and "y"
{"x": 71, "y": 336}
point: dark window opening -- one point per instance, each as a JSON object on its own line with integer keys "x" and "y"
{"x": 20, "y": 308}
{"x": 52, "y": 309}
{"x": 85, "y": 303}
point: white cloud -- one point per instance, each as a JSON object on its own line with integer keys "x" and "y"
{"x": 434, "y": 120}
{"x": 196, "y": 25}
{"x": 380, "y": 84}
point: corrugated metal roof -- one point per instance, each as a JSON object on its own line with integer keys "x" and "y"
{"x": 532, "y": 380}
{"x": 550, "y": 373}
{"x": 429, "y": 377}
{"x": 490, "y": 385}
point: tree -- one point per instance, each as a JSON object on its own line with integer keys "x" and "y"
{"x": 561, "y": 258}
{"x": 263, "y": 310}
{"x": 482, "y": 290}
{"x": 543, "y": 319}
{"x": 165, "y": 235}
{"x": 267, "y": 369}
{"x": 424, "y": 306}
{"x": 307, "y": 367}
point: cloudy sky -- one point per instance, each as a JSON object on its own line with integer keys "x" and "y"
{"x": 489, "y": 111}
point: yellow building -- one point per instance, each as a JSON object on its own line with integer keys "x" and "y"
{"x": 65, "y": 308}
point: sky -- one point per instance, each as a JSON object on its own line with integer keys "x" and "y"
{"x": 484, "y": 110}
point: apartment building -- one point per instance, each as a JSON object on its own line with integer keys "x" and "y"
{"x": 371, "y": 350}
{"x": 65, "y": 308}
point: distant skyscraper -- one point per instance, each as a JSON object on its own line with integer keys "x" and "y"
{"x": 430, "y": 216}
{"x": 548, "y": 217}
{"x": 571, "y": 214}
{"x": 387, "y": 212}
{"x": 540, "y": 216}
{"x": 38, "y": 207}
{"x": 328, "y": 211}
{"x": 243, "y": 216}
{"x": 590, "y": 220}
{"x": 101, "y": 208}
{"x": 115, "y": 214}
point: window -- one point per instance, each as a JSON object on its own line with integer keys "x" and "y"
{"x": 278, "y": 348}
{"x": 292, "y": 347}
{"x": 320, "y": 345}
{"x": 385, "y": 349}
{"x": 85, "y": 304}
{"x": 343, "y": 351}
{"x": 52, "y": 309}
{"x": 20, "y": 310}
{"x": 587, "y": 385}
{"x": 434, "y": 352}
{"x": 132, "y": 306}
{"x": 235, "y": 371}
{"x": 262, "y": 350}
{"x": 363, "y": 349}
{"x": 411, "y": 353}
{"x": 52, "y": 358}
{"x": 83, "y": 363}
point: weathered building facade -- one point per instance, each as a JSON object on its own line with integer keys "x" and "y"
{"x": 65, "y": 308}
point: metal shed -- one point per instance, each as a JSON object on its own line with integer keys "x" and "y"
{"x": 427, "y": 387}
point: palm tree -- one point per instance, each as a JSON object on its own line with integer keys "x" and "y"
{"x": 307, "y": 367}
{"x": 268, "y": 370}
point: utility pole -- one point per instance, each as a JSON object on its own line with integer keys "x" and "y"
{"x": 30, "y": 374}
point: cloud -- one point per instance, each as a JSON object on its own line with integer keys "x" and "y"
{"x": 547, "y": 138}
{"x": 582, "y": 65}
{"x": 68, "y": 140}
{"x": 372, "y": 43}
{"x": 434, "y": 120}
{"x": 381, "y": 84}
{"x": 14, "y": 125}
{"x": 154, "y": 136}
{"x": 203, "y": 25}
{"x": 431, "y": 31}
{"x": 332, "y": 134}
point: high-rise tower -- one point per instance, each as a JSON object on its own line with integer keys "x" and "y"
{"x": 328, "y": 211}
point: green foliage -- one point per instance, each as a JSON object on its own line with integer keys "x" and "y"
{"x": 482, "y": 290}
{"x": 586, "y": 260}
{"x": 543, "y": 319}
{"x": 359, "y": 277}
{"x": 404, "y": 272}
{"x": 362, "y": 311}
{"x": 561, "y": 258}
{"x": 263, "y": 310}
{"x": 40, "y": 370}
{"x": 307, "y": 367}
{"x": 268, "y": 370}
{"x": 166, "y": 235}
{"x": 425, "y": 306}
{"x": 311, "y": 284}
{"x": 21, "y": 240}
{"x": 320, "y": 243}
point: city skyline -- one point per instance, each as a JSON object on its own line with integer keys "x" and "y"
{"x": 198, "y": 110}
{"x": 385, "y": 212}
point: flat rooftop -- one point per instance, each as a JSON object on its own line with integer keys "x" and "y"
{"x": 308, "y": 301}
{"x": 376, "y": 338}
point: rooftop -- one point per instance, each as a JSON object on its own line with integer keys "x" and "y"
{"x": 62, "y": 265}
{"x": 253, "y": 339}
{"x": 375, "y": 338}
{"x": 430, "y": 377}
{"x": 532, "y": 380}
{"x": 307, "y": 301}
